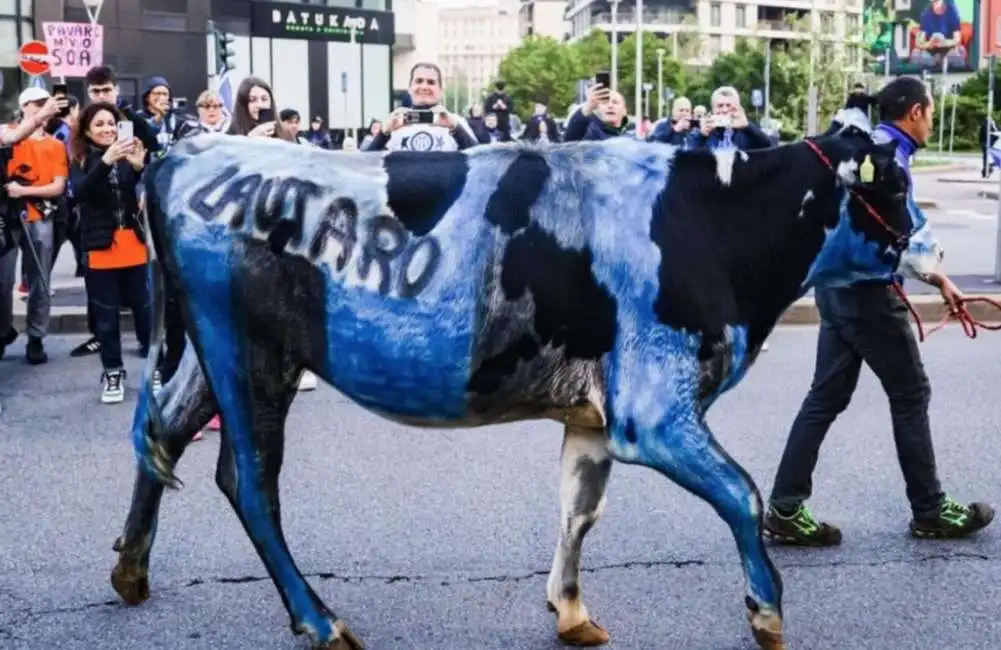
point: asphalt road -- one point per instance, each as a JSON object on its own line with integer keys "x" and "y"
{"x": 427, "y": 540}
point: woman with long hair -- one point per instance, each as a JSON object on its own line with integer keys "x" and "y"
{"x": 105, "y": 173}
{"x": 253, "y": 95}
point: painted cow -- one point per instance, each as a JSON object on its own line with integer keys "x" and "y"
{"x": 619, "y": 287}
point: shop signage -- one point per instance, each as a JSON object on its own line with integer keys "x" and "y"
{"x": 309, "y": 22}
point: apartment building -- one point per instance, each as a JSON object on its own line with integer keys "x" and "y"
{"x": 474, "y": 37}
{"x": 544, "y": 18}
{"x": 721, "y": 22}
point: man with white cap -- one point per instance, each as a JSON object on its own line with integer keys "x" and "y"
{"x": 35, "y": 172}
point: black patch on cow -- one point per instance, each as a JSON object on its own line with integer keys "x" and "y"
{"x": 521, "y": 185}
{"x": 593, "y": 478}
{"x": 491, "y": 373}
{"x": 571, "y": 308}
{"x": 423, "y": 185}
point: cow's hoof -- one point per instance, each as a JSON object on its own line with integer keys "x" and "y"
{"x": 346, "y": 640}
{"x": 130, "y": 582}
{"x": 586, "y": 634}
{"x": 766, "y": 625}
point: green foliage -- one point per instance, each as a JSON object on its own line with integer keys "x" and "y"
{"x": 674, "y": 77}
{"x": 540, "y": 67}
{"x": 593, "y": 54}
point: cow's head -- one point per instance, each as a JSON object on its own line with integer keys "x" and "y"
{"x": 871, "y": 230}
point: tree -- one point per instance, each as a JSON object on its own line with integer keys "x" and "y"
{"x": 456, "y": 96}
{"x": 540, "y": 68}
{"x": 674, "y": 77}
{"x": 593, "y": 54}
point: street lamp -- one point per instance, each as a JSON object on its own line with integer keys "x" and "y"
{"x": 660, "y": 81}
{"x": 615, "y": 45}
{"x": 639, "y": 64}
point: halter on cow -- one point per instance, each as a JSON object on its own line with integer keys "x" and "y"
{"x": 619, "y": 287}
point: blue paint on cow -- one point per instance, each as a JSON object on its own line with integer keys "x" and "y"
{"x": 222, "y": 346}
{"x": 848, "y": 256}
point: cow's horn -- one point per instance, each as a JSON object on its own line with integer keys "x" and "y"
{"x": 867, "y": 172}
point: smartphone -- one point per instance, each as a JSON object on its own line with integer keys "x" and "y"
{"x": 603, "y": 78}
{"x": 125, "y": 131}
{"x": 266, "y": 115}
{"x": 694, "y": 124}
{"x": 59, "y": 89}
{"x": 419, "y": 117}
{"x": 722, "y": 121}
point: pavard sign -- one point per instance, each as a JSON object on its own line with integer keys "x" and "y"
{"x": 285, "y": 20}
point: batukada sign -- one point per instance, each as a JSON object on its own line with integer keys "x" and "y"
{"x": 285, "y": 20}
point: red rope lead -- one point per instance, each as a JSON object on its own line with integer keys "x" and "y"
{"x": 969, "y": 324}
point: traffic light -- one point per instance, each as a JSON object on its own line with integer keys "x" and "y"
{"x": 223, "y": 45}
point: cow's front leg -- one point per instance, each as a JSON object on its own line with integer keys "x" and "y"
{"x": 584, "y": 469}
{"x": 187, "y": 407}
{"x": 683, "y": 449}
{"x": 254, "y": 403}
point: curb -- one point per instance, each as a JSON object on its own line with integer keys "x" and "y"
{"x": 803, "y": 312}
{"x": 988, "y": 194}
{"x": 927, "y": 203}
{"x": 948, "y": 167}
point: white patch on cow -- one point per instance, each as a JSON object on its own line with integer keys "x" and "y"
{"x": 726, "y": 158}
{"x": 806, "y": 199}
{"x": 846, "y": 172}
{"x": 848, "y": 117}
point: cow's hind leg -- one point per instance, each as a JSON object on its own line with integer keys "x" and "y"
{"x": 684, "y": 449}
{"x": 585, "y": 466}
{"x": 254, "y": 402}
{"x": 187, "y": 407}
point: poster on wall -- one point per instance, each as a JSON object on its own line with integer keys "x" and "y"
{"x": 920, "y": 35}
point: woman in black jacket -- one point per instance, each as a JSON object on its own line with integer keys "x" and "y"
{"x": 105, "y": 174}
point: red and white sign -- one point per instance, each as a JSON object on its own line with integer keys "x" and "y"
{"x": 33, "y": 58}
{"x": 74, "y": 48}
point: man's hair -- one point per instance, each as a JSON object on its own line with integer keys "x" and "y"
{"x": 499, "y": 84}
{"x": 429, "y": 66}
{"x": 100, "y": 75}
{"x": 289, "y": 114}
{"x": 725, "y": 91}
{"x": 897, "y": 98}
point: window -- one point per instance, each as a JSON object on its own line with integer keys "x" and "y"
{"x": 715, "y": 18}
{"x": 715, "y": 45}
{"x": 740, "y": 16}
{"x": 826, "y": 23}
{"x": 166, "y": 22}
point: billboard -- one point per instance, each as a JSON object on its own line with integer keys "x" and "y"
{"x": 919, "y": 35}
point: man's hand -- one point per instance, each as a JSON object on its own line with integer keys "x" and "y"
{"x": 396, "y": 119}
{"x": 49, "y": 110}
{"x": 15, "y": 191}
{"x": 596, "y": 94}
{"x": 682, "y": 125}
{"x": 951, "y": 294}
{"x": 444, "y": 118}
{"x": 738, "y": 118}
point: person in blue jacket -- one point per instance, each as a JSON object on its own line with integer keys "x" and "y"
{"x": 675, "y": 129}
{"x": 602, "y": 116}
{"x": 727, "y": 124}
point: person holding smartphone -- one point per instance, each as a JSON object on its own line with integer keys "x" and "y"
{"x": 676, "y": 129}
{"x": 107, "y": 160}
{"x": 602, "y": 116}
{"x": 727, "y": 125}
{"x": 425, "y": 125}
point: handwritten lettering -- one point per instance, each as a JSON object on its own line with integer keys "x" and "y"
{"x": 278, "y": 208}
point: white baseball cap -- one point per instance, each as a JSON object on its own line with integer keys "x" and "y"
{"x": 33, "y": 94}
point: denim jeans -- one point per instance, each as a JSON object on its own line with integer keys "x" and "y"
{"x": 108, "y": 290}
{"x": 864, "y": 323}
{"x": 39, "y": 233}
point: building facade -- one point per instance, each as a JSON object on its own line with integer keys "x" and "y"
{"x": 473, "y": 39}
{"x": 543, "y": 18}
{"x": 302, "y": 49}
{"x": 719, "y": 23}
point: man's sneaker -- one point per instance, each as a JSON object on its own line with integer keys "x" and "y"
{"x": 34, "y": 353}
{"x": 307, "y": 381}
{"x": 114, "y": 387}
{"x": 88, "y": 347}
{"x": 954, "y": 520}
{"x": 799, "y": 528}
{"x": 6, "y": 340}
{"x": 157, "y": 382}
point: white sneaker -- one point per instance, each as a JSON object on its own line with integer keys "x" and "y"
{"x": 114, "y": 388}
{"x": 764, "y": 346}
{"x": 307, "y": 381}
{"x": 157, "y": 383}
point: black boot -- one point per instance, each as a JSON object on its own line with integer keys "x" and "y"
{"x": 35, "y": 352}
{"x": 6, "y": 340}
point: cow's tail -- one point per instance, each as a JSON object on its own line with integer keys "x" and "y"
{"x": 148, "y": 428}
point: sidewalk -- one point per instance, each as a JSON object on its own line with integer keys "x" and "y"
{"x": 69, "y": 313}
